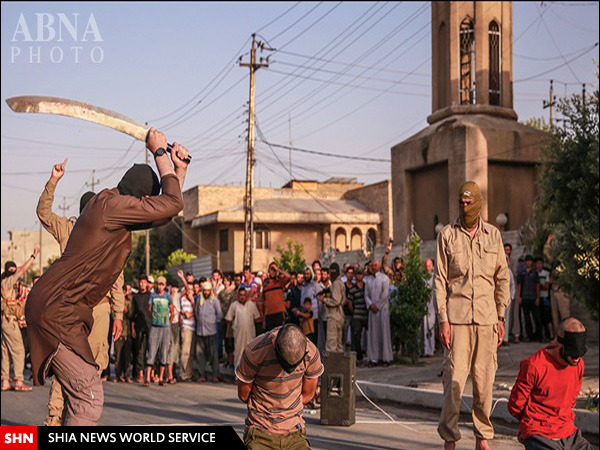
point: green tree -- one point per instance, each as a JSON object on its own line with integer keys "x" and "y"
{"x": 163, "y": 241}
{"x": 568, "y": 200}
{"x": 179, "y": 257}
{"x": 291, "y": 259}
{"x": 408, "y": 302}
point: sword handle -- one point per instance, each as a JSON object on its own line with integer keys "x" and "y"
{"x": 170, "y": 147}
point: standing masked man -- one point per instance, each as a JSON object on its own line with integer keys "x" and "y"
{"x": 471, "y": 293}
{"x": 59, "y": 310}
{"x": 60, "y": 228}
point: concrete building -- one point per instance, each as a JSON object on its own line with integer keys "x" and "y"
{"x": 339, "y": 213}
{"x": 473, "y": 133}
{"x": 20, "y": 245}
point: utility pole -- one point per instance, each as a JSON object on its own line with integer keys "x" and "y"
{"x": 93, "y": 181}
{"x": 290, "y": 133}
{"x": 583, "y": 95}
{"x": 147, "y": 236}
{"x": 551, "y": 102}
{"x": 248, "y": 200}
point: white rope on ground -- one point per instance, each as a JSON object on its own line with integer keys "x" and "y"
{"x": 493, "y": 406}
{"x": 386, "y": 414}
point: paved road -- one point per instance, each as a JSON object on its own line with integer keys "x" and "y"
{"x": 189, "y": 404}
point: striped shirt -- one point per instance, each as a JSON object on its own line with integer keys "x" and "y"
{"x": 275, "y": 403}
{"x": 356, "y": 295}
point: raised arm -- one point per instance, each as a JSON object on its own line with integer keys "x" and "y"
{"x": 385, "y": 257}
{"x": 58, "y": 227}
{"x": 25, "y": 267}
{"x": 132, "y": 212}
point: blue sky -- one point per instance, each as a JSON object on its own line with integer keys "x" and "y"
{"x": 367, "y": 86}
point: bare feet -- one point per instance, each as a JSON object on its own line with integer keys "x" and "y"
{"x": 482, "y": 444}
{"x": 449, "y": 445}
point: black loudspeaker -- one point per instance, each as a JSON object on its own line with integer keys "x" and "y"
{"x": 338, "y": 400}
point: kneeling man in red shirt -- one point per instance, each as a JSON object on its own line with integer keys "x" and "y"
{"x": 544, "y": 395}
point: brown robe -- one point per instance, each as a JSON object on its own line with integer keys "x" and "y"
{"x": 59, "y": 307}
{"x": 60, "y": 228}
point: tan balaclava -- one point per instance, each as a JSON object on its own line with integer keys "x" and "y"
{"x": 469, "y": 214}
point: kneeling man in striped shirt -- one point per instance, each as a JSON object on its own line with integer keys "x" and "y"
{"x": 277, "y": 376}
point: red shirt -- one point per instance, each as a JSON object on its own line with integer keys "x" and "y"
{"x": 544, "y": 396}
{"x": 273, "y": 294}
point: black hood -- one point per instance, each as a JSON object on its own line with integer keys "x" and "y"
{"x": 139, "y": 181}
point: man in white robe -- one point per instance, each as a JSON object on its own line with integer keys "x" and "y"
{"x": 429, "y": 318}
{"x": 240, "y": 321}
{"x": 377, "y": 297}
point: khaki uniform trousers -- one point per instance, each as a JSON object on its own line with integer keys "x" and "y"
{"x": 334, "y": 335}
{"x": 12, "y": 348}
{"x": 99, "y": 344}
{"x": 559, "y": 302}
{"x": 188, "y": 348}
{"x": 473, "y": 351}
{"x": 257, "y": 440}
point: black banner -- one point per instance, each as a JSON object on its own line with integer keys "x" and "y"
{"x": 180, "y": 437}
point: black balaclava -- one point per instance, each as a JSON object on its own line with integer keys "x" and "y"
{"x": 139, "y": 181}
{"x": 573, "y": 345}
{"x": 334, "y": 271}
{"x": 7, "y": 266}
{"x": 85, "y": 198}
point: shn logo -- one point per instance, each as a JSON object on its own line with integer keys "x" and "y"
{"x": 18, "y": 438}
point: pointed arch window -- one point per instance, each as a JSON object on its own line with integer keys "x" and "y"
{"x": 467, "y": 62}
{"x": 494, "y": 82}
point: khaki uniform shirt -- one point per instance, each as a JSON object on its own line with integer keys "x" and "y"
{"x": 60, "y": 228}
{"x": 335, "y": 302}
{"x": 471, "y": 277}
{"x": 12, "y": 309}
{"x": 59, "y": 307}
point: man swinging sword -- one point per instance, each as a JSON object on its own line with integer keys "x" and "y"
{"x": 59, "y": 310}
{"x": 60, "y": 228}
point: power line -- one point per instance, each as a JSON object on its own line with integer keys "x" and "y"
{"x": 331, "y": 61}
{"x": 385, "y": 80}
{"x": 276, "y": 19}
{"x": 556, "y": 67}
{"x": 556, "y": 45}
{"x": 194, "y": 97}
{"x": 288, "y": 28}
{"x": 321, "y": 153}
{"x": 359, "y": 58}
{"x": 310, "y": 26}
{"x": 355, "y": 86}
{"x": 58, "y": 144}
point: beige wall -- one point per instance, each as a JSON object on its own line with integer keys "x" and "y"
{"x": 21, "y": 244}
{"x": 467, "y": 144}
{"x": 377, "y": 197}
{"x": 429, "y": 197}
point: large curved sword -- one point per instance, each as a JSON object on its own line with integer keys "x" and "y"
{"x": 80, "y": 110}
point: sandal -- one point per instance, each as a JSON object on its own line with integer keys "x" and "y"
{"x": 146, "y": 384}
{"x": 172, "y": 381}
{"x": 9, "y": 388}
{"x": 23, "y": 388}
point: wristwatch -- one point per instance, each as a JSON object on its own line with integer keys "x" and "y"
{"x": 501, "y": 319}
{"x": 161, "y": 151}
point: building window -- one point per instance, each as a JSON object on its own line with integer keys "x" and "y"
{"x": 262, "y": 240}
{"x": 467, "y": 62}
{"x": 224, "y": 240}
{"x": 494, "y": 38}
{"x": 371, "y": 240}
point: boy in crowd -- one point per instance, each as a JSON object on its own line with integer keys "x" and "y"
{"x": 161, "y": 307}
{"x": 307, "y": 321}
